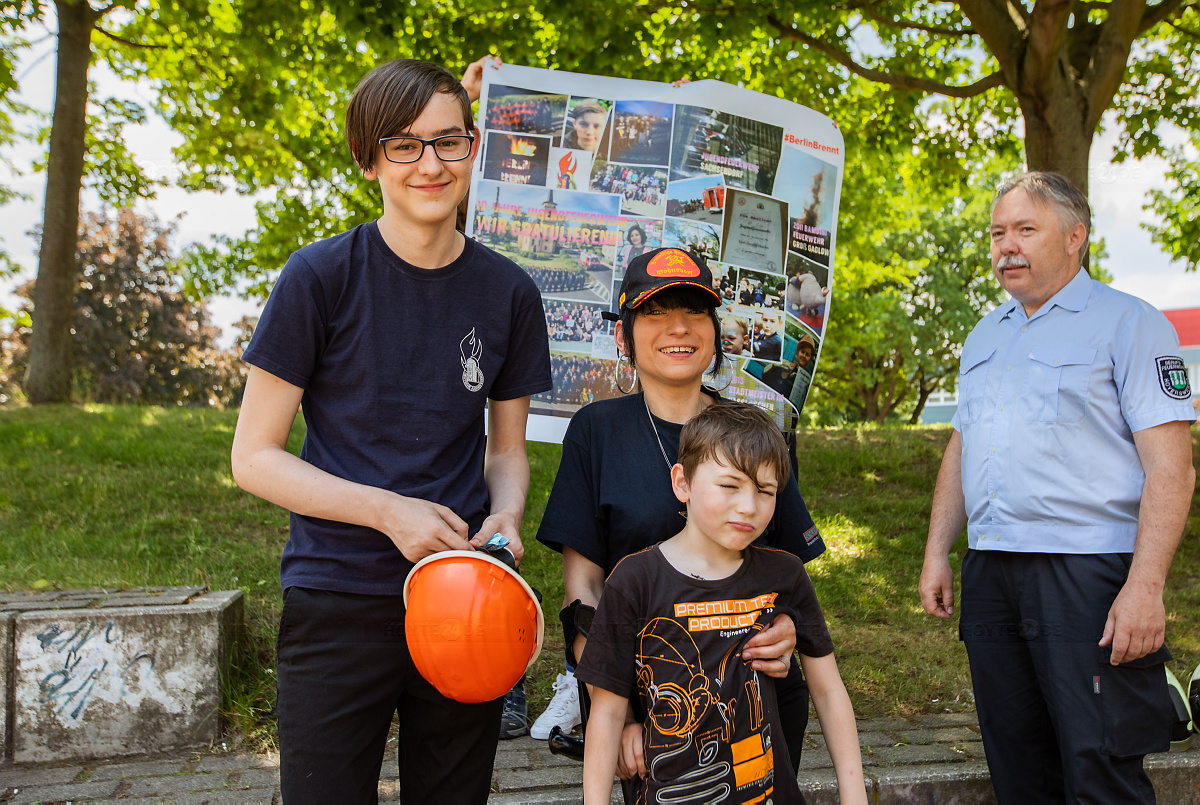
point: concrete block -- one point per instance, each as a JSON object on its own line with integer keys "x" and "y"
{"x": 560, "y": 777}
{"x": 256, "y": 797}
{"x": 934, "y": 720}
{"x": 267, "y": 760}
{"x": 128, "y": 771}
{"x": 226, "y": 763}
{"x": 883, "y": 724}
{"x": 71, "y": 792}
{"x": 815, "y": 759}
{"x": 938, "y": 735}
{"x": 1176, "y": 775}
{"x": 181, "y": 784}
{"x": 22, "y": 777}
{"x": 820, "y": 787}
{"x": 931, "y": 753}
{"x": 6, "y": 659}
{"x": 263, "y": 778}
{"x": 933, "y": 784}
{"x": 96, "y": 683}
{"x": 875, "y": 739}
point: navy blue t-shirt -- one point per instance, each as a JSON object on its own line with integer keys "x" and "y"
{"x": 612, "y": 496}
{"x": 396, "y": 363}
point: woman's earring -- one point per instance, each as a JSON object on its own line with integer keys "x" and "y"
{"x": 728, "y": 378}
{"x": 617, "y": 374}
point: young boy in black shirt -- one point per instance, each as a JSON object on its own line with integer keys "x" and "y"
{"x": 671, "y": 623}
{"x": 392, "y": 337}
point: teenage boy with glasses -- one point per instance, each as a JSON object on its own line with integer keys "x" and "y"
{"x": 391, "y": 337}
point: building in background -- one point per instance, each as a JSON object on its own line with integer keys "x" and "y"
{"x": 941, "y": 405}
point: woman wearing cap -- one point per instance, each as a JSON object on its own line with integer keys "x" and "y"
{"x": 612, "y": 495}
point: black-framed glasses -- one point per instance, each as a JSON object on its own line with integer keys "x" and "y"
{"x": 449, "y": 148}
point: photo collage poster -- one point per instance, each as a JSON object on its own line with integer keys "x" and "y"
{"x": 579, "y": 174}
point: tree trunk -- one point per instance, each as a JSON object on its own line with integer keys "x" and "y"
{"x": 48, "y": 379}
{"x": 1055, "y": 139}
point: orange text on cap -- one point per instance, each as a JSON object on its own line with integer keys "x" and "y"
{"x": 672, "y": 263}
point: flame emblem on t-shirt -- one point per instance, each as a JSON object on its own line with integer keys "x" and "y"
{"x": 471, "y": 348}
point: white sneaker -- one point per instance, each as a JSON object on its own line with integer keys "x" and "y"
{"x": 563, "y": 710}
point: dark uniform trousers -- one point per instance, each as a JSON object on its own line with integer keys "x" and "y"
{"x": 344, "y": 670}
{"x": 1059, "y": 722}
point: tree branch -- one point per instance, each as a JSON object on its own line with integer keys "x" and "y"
{"x": 1182, "y": 30}
{"x": 1047, "y": 29}
{"x": 1161, "y": 13}
{"x": 1002, "y": 29}
{"x": 868, "y": 10}
{"x": 127, "y": 42}
{"x": 907, "y": 82}
{"x": 1111, "y": 56}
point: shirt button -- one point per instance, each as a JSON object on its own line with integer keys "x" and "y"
{"x": 994, "y": 496}
{"x": 1023, "y": 329}
{"x": 999, "y": 407}
{"x": 1010, "y": 367}
{"x": 1057, "y": 361}
{"x": 993, "y": 450}
{"x": 997, "y": 538}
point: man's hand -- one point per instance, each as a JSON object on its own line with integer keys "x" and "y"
{"x": 472, "y": 79}
{"x": 937, "y": 586}
{"x": 771, "y": 649}
{"x": 631, "y": 761}
{"x": 1137, "y": 623}
{"x": 501, "y": 523}
{"x": 420, "y": 528}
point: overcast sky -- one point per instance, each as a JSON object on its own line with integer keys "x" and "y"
{"x": 1118, "y": 192}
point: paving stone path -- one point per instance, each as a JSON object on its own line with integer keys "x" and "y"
{"x": 926, "y": 759}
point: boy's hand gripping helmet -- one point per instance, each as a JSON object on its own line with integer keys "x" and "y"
{"x": 472, "y": 624}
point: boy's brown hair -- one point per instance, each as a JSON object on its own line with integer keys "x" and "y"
{"x": 390, "y": 97}
{"x": 734, "y": 433}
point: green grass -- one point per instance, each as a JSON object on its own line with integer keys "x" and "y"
{"x": 110, "y": 496}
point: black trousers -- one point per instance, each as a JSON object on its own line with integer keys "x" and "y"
{"x": 1059, "y": 723}
{"x": 344, "y": 669}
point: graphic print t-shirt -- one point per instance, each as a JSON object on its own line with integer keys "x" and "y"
{"x": 672, "y": 644}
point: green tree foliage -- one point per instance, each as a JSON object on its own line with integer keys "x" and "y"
{"x": 1178, "y": 206}
{"x": 913, "y": 279}
{"x": 79, "y": 144}
{"x": 259, "y": 90}
{"x": 135, "y": 336}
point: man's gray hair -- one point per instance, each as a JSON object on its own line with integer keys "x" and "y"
{"x": 1054, "y": 190}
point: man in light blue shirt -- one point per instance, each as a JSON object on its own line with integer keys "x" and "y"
{"x": 1070, "y": 464}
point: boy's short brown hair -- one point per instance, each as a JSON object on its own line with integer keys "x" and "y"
{"x": 739, "y": 433}
{"x": 390, "y": 97}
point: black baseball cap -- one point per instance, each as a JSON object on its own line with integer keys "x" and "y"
{"x": 649, "y": 273}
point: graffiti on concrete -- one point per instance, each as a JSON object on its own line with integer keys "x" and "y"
{"x": 87, "y": 657}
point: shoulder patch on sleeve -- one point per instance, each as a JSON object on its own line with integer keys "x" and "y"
{"x": 1173, "y": 378}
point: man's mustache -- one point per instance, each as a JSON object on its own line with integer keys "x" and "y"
{"x": 1012, "y": 261}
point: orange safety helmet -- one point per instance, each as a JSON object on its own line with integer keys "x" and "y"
{"x": 472, "y": 624}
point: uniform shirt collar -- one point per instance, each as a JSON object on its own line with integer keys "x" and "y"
{"x": 1073, "y": 296}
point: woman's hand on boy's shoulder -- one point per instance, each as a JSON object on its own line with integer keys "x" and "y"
{"x": 771, "y": 649}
